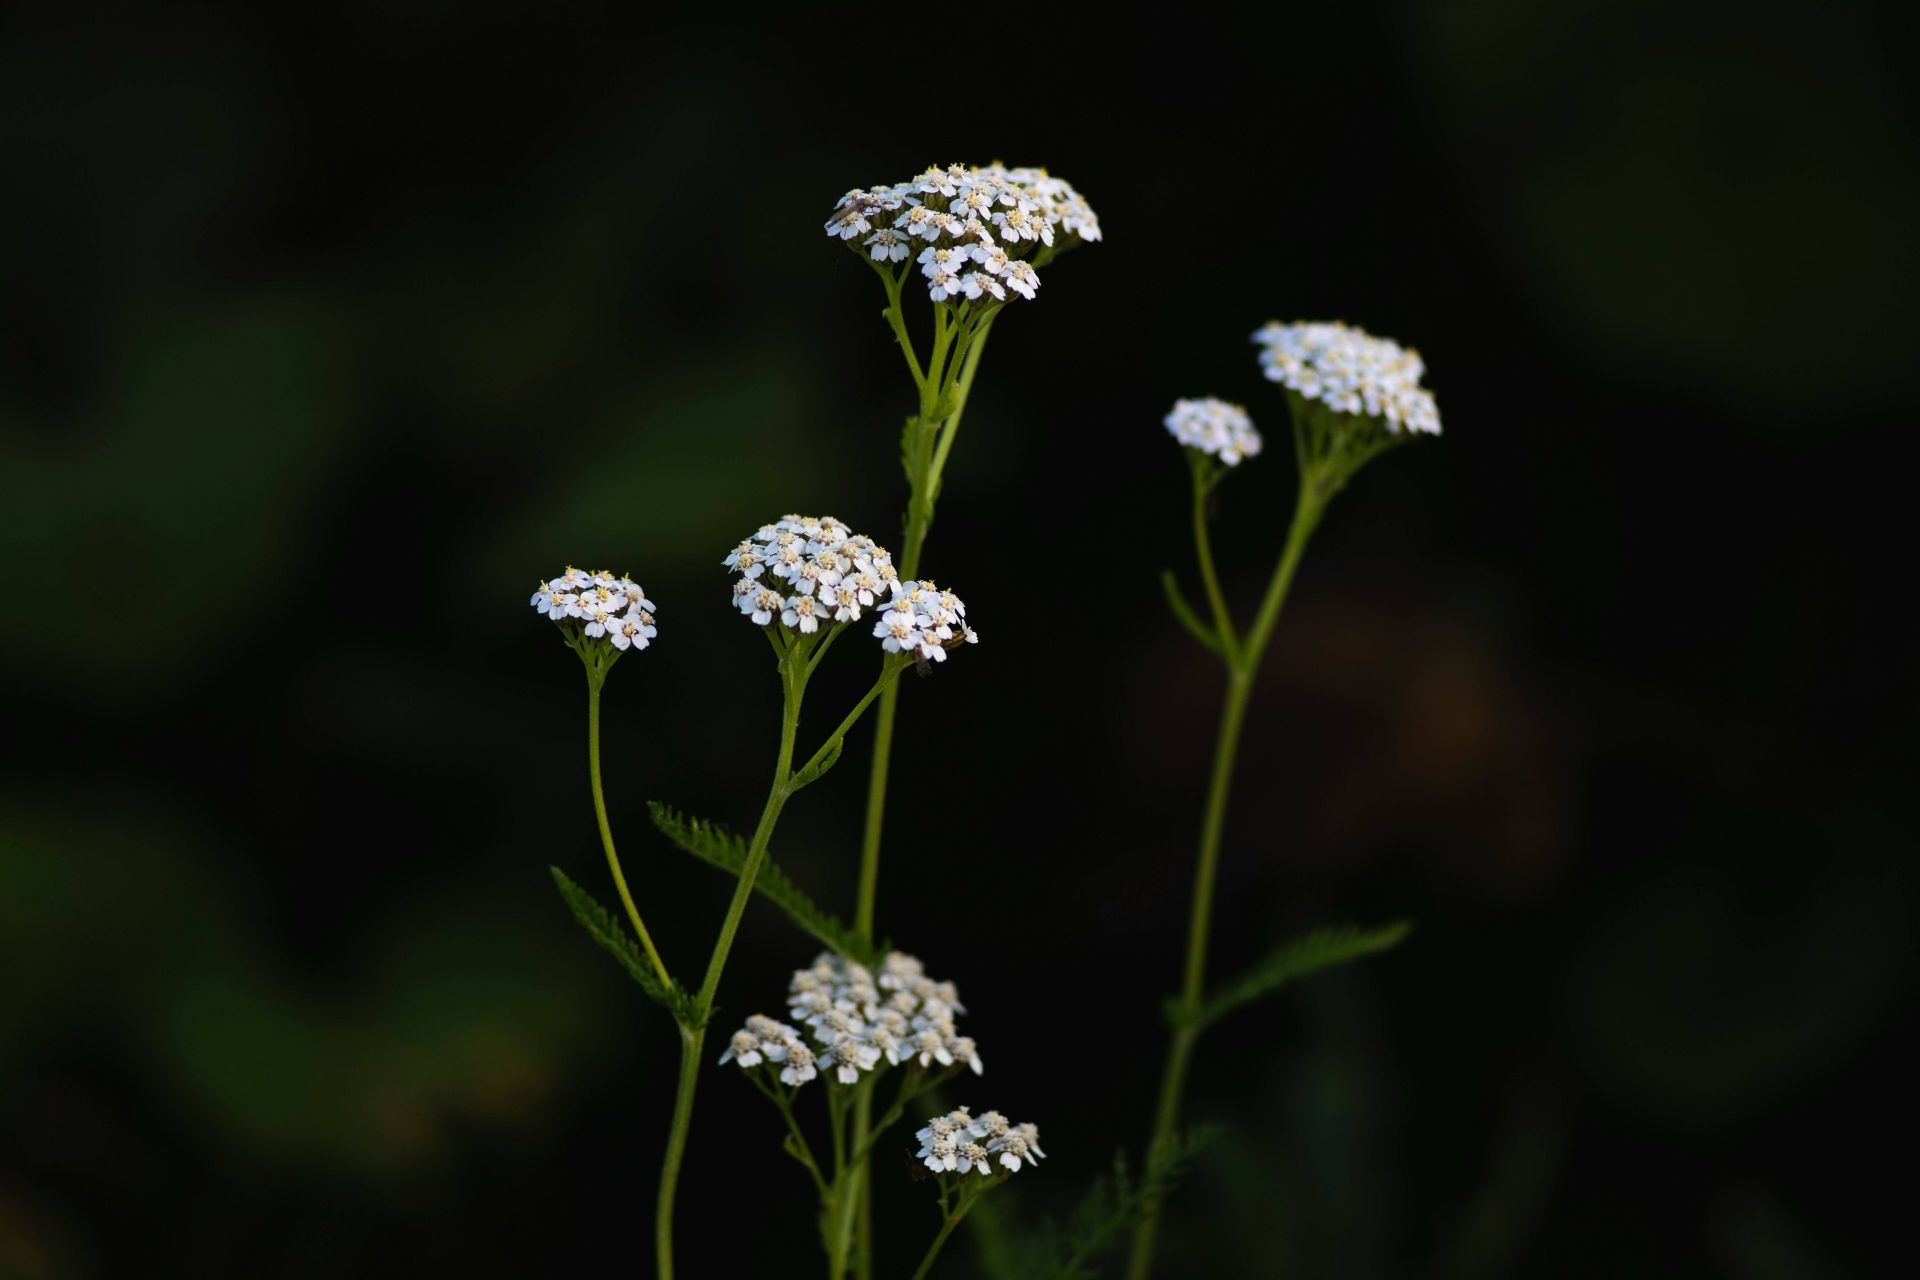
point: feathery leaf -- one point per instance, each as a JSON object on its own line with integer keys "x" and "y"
{"x": 1323, "y": 948}
{"x": 1113, "y": 1203}
{"x": 729, "y": 853}
{"x": 605, "y": 930}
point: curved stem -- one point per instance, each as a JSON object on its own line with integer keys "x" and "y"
{"x": 960, "y": 391}
{"x": 792, "y": 685}
{"x": 890, "y": 671}
{"x": 923, "y": 489}
{"x": 948, "y": 1223}
{"x": 1306, "y": 517}
{"x": 757, "y": 850}
{"x": 690, "y": 1046}
{"x": 820, "y": 650}
{"x": 1203, "y": 548}
{"x": 606, "y": 830}
{"x": 802, "y": 1149}
{"x": 1242, "y": 666}
{"x": 898, "y": 320}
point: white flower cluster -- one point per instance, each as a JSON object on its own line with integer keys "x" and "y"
{"x": 604, "y": 605}
{"x": 958, "y": 1143}
{"x": 971, "y": 230}
{"x": 809, "y": 572}
{"x": 854, "y": 1019}
{"x": 1351, "y": 371}
{"x": 922, "y": 620}
{"x": 765, "y": 1039}
{"x": 1216, "y": 427}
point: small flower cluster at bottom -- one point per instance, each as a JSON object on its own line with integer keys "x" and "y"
{"x": 957, "y": 1142}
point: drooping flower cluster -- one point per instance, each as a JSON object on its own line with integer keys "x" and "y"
{"x": 855, "y": 1019}
{"x": 959, "y": 1143}
{"x": 601, "y": 605}
{"x": 1216, "y": 427}
{"x": 1351, "y": 371}
{"x": 972, "y": 231}
{"x": 811, "y": 573}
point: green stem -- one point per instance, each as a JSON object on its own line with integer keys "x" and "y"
{"x": 1203, "y": 548}
{"x": 863, "y": 1228}
{"x": 948, "y": 1222}
{"x": 594, "y": 680}
{"x": 802, "y": 1149}
{"x": 891, "y": 667}
{"x": 849, "y": 1179}
{"x": 961, "y": 390}
{"x": 690, "y": 1049}
{"x": 857, "y": 1235}
{"x": 898, "y": 320}
{"x": 876, "y": 811}
{"x": 924, "y": 487}
{"x": 793, "y": 684}
{"x": 919, "y": 520}
{"x": 1243, "y": 664}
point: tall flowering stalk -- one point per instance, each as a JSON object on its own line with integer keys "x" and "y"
{"x": 975, "y": 238}
{"x": 1352, "y": 397}
{"x": 804, "y": 582}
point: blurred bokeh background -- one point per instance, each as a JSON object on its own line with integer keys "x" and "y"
{"x": 324, "y": 334}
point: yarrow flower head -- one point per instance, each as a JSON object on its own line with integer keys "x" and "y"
{"x": 976, "y": 234}
{"x": 598, "y": 608}
{"x": 1350, "y": 371}
{"x": 855, "y": 1019}
{"x": 960, "y": 1142}
{"x": 811, "y": 574}
{"x": 1214, "y": 427}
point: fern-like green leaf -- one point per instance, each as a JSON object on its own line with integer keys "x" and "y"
{"x": 1113, "y": 1203}
{"x": 1323, "y": 948}
{"x": 605, "y": 930}
{"x": 729, "y": 853}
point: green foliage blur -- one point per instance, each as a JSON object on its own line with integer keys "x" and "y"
{"x": 323, "y": 334}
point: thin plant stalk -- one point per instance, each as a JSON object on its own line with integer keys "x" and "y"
{"x": 794, "y": 671}
{"x": 930, "y": 444}
{"x": 596, "y": 678}
{"x": 949, "y": 1219}
{"x": 1242, "y": 661}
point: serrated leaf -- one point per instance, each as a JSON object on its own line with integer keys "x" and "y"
{"x": 605, "y": 930}
{"x": 728, "y": 852}
{"x": 1323, "y": 948}
{"x": 1110, "y": 1207}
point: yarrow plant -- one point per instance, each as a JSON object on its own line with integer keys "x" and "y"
{"x": 976, "y": 239}
{"x": 804, "y": 581}
{"x": 1352, "y": 397}
{"x": 861, "y": 1016}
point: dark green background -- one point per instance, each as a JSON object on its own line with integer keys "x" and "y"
{"x": 321, "y": 336}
